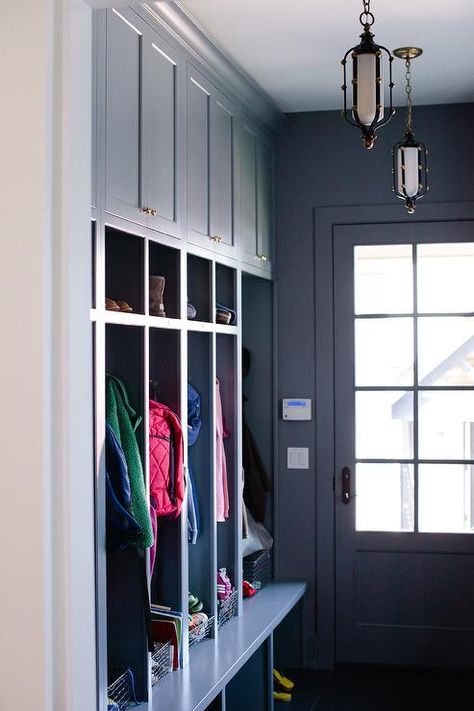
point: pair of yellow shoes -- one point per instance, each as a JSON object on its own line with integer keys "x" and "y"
{"x": 284, "y": 686}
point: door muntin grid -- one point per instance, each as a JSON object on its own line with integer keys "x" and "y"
{"x": 414, "y": 387}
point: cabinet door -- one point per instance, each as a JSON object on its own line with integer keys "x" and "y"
{"x": 265, "y": 202}
{"x": 162, "y": 134}
{"x": 211, "y": 166}
{"x": 248, "y": 170}
{"x": 223, "y": 174}
{"x": 198, "y": 156}
{"x": 123, "y": 116}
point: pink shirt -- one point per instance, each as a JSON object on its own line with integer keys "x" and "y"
{"x": 222, "y": 493}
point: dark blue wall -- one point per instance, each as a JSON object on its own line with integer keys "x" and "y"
{"x": 321, "y": 163}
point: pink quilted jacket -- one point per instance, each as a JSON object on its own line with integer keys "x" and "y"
{"x": 166, "y": 461}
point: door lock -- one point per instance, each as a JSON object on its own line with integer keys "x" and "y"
{"x": 346, "y": 486}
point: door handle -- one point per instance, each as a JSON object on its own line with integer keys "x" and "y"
{"x": 346, "y": 486}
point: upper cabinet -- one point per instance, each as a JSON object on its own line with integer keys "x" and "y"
{"x": 212, "y": 167}
{"x": 257, "y": 198}
{"x": 180, "y": 157}
{"x": 144, "y": 125}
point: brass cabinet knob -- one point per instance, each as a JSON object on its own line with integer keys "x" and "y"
{"x": 216, "y": 238}
{"x": 262, "y": 257}
{"x": 150, "y": 211}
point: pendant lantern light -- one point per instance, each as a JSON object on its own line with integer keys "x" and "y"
{"x": 369, "y": 63}
{"x": 410, "y": 169}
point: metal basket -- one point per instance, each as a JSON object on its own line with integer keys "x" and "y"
{"x": 257, "y": 568}
{"x": 200, "y": 632}
{"x": 161, "y": 661}
{"x": 122, "y": 690}
{"x": 227, "y": 608}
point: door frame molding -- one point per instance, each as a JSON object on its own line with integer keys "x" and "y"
{"x": 325, "y": 219}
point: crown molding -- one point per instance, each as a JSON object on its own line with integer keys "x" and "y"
{"x": 193, "y": 37}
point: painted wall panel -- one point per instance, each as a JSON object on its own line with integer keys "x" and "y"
{"x": 321, "y": 164}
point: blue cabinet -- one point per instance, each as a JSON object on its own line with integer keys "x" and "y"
{"x": 144, "y": 125}
{"x": 257, "y": 200}
{"x": 212, "y": 166}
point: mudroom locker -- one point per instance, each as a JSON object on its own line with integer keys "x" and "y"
{"x": 183, "y": 317}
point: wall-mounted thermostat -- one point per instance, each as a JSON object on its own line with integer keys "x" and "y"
{"x": 296, "y": 408}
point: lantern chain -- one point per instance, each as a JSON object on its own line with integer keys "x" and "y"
{"x": 366, "y": 18}
{"x": 409, "y": 123}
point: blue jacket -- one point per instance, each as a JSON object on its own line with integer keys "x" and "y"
{"x": 194, "y": 427}
{"x": 122, "y": 529}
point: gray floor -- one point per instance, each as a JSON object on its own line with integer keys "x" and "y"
{"x": 369, "y": 689}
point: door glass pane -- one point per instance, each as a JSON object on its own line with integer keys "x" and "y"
{"x": 446, "y": 424}
{"x": 384, "y": 425}
{"x": 384, "y": 351}
{"x": 446, "y": 351}
{"x": 383, "y": 279}
{"x": 445, "y": 498}
{"x": 444, "y": 274}
{"x": 385, "y": 497}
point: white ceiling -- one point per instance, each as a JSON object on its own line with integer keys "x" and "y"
{"x": 293, "y": 49}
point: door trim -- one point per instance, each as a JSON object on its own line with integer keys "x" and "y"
{"x": 324, "y": 221}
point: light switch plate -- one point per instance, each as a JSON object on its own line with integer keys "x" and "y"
{"x": 297, "y": 457}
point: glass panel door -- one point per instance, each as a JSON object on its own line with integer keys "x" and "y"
{"x": 414, "y": 387}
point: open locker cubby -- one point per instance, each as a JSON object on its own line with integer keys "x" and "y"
{"x": 226, "y": 292}
{"x": 258, "y": 382}
{"x": 200, "y": 287}
{"x": 227, "y": 530}
{"x": 164, "y": 387}
{"x": 164, "y": 261}
{"x": 124, "y": 268}
{"x": 126, "y": 629}
{"x": 201, "y": 555}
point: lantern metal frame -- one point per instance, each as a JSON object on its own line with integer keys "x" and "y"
{"x": 367, "y": 46}
{"x": 409, "y": 141}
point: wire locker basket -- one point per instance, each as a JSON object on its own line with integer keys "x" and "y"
{"x": 161, "y": 661}
{"x": 227, "y": 608}
{"x": 122, "y": 691}
{"x": 257, "y": 568}
{"x": 200, "y": 632}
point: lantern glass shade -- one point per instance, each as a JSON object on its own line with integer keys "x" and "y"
{"x": 366, "y": 87}
{"x": 408, "y": 170}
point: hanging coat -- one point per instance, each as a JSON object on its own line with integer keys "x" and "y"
{"x": 122, "y": 530}
{"x": 166, "y": 461}
{"x": 222, "y": 494}
{"x": 124, "y": 421}
{"x": 167, "y": 486}
{"x": 256, "y": 481}
{"x": 194, "y": 427}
